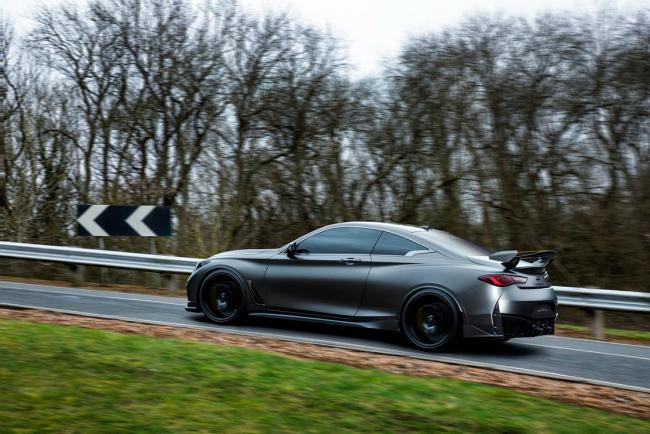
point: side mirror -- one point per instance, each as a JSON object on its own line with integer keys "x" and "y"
{"x": 291, "y": 250}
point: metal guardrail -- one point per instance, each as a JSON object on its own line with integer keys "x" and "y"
{"x": 99, "y": 258}
{"x": 603, "y": 299}
{"x": 593, "y": 300}
{"x": 597, "y": 299}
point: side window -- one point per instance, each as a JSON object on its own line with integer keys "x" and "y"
{"x": 391, "y": 244}
{"x": 340, "y": 240}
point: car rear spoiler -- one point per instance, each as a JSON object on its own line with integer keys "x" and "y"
{"x": 510, "y": 258}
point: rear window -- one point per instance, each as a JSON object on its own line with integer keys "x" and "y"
{"x": 452, "y": 243}
{"x": 391, "y": 244}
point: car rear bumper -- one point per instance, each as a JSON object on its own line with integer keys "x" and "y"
{"x": 525, "y": 312}
{"x": 517, "y": 313}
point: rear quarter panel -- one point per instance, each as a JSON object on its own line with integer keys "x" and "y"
{"x": 391, "y": 281}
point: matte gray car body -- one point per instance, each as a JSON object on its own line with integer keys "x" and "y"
{"x": 370, "y": 290}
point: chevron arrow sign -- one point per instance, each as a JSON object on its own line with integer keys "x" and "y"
{"x": 124, "y": 220}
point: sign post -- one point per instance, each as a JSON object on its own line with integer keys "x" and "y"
{"x": 125, "y": 221}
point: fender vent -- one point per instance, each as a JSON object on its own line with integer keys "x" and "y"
{"x": 254, "y": 294}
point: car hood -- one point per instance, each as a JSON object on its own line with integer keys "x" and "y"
{"x": 245, "y": 253}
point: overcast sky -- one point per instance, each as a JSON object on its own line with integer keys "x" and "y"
{"x": 373, "y": 30}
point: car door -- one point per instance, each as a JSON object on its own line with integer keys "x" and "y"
{"x": 327, "y": 275}
{"x": 393, "y": 274}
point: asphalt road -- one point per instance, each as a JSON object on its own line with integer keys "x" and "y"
{"x": 620, "y": 365}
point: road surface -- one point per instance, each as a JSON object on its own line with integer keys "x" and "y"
{"x": 605, "y": 363}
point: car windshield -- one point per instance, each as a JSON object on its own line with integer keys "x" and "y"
{"x": 453, "y": 243}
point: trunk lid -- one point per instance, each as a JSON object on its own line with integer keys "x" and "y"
{"x": 530, "y": 264}
{"x": 535, "y": 273}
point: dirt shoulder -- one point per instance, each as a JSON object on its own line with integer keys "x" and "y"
{"x": 605, "y": 398}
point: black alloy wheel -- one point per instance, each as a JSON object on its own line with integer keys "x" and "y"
{"x": 222, "y": 301}
{"x": 429, "y": 321}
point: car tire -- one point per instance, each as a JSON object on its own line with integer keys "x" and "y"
{"x": 429, "y": 321}
{"x": 222, "y": 300}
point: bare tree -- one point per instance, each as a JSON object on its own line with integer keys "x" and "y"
{"x": 517, "y": 133}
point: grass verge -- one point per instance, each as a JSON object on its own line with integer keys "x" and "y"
{"x": 71, "y": 379}
{"x": 613, "y": 334}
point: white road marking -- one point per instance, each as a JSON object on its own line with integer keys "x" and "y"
{"x": 582, "y": 350}
{"x": 181, "y": 302}
{"x": 597, "y": 341}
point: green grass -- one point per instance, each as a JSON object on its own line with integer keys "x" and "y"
{"x": 70, "y": 379}
{"x": 611, "y": 333}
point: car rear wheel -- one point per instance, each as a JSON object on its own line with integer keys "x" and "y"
{"x": 429, "y": 321}
{"x": 222, "y": 301}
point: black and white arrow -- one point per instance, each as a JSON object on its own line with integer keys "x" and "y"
{"x": 137, "y": 223}
{"x": 87, "y": 220}
{"x": 123, "y": 220}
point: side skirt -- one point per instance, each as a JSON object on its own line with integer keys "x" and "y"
{"x": 388, "y": 323}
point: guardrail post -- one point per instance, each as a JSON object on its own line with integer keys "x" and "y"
{"x": 170, "y": 282}
{"x": 155, "y": 277}
{"x": 103, "y": 271}
{"x": 597, "y": 324}
{"x": 155, "y": 281}
{"x": 78, "y": 274}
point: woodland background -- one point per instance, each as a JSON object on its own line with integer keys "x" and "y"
{"x": 514, "y": 133}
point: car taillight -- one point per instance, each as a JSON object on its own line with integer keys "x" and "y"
{"x": 502, "y": 279}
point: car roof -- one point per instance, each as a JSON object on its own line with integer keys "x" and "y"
{"x": 391, "y": 227}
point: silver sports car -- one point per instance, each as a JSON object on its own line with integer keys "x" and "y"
{"x": 431, "y": 286}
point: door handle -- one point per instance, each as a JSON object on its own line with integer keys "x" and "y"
{"x": 350, "y": 261}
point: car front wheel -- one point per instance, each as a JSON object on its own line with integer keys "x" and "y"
{"x": 222, "y": 300}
